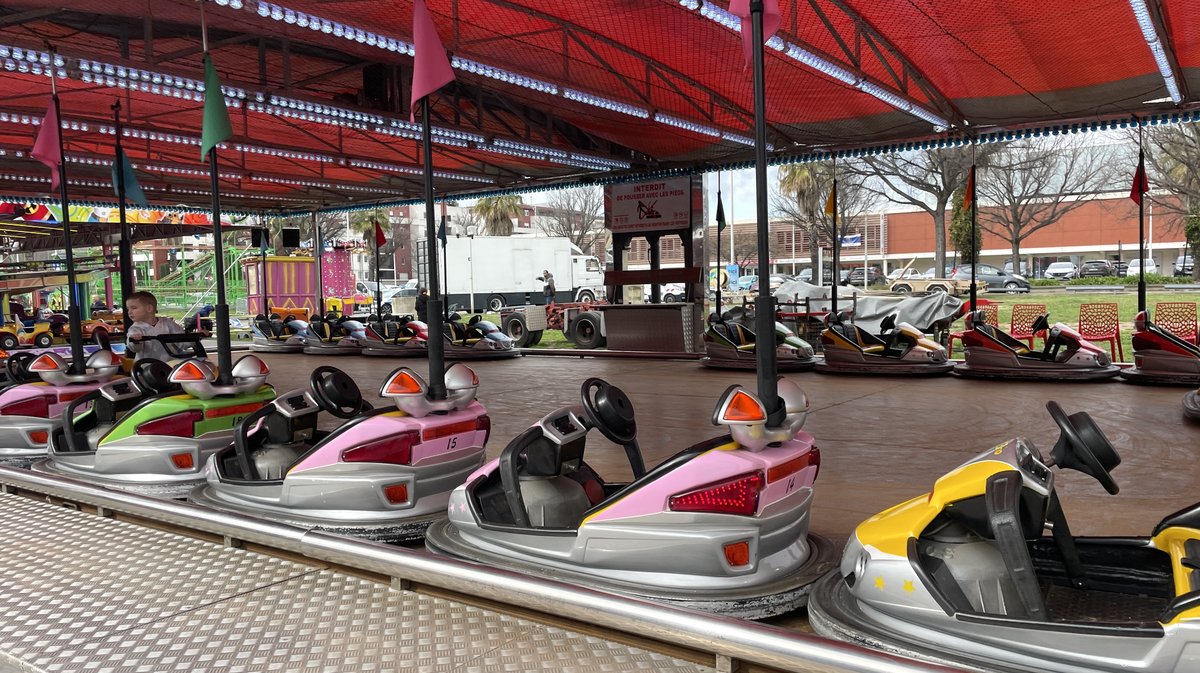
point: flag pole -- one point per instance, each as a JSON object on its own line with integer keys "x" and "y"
{"x": 378, "y": 289}
{"x": 720, "y": 212}
{"x": 221, "y": 324}
{"x": 835, "y": 274}
{"x": 974, "y": 228}
{"x": 1140, "y": 177}
{"x": 437, "y": 374}
{"x": 125, "y": 246}
{"x": 73, "y": 314}
{"x": 764, "y": 308}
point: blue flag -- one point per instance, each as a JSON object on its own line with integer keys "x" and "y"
{"x": 133, "y": 191}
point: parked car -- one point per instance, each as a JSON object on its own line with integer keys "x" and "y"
{"x": 855, "y": 277}
{"x": 1061, "y": 271}
{"x": 744, "y": 283}
{"x": 1008, "y": 267}
{"x": 1095, "y": 268}
{"x": 997, "y": 280}
{"x": 1135, "y": 266}
{"x": 898, "y": 273}
{"x": 669, "y": 293}
{"x": 1119, "y": 267}
{"x": 930, "y": 273}
{"x": 1184, "y": 265}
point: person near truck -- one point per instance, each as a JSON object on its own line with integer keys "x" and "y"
{"x": 423, "y": 305}
{"x": 547, "y": 280}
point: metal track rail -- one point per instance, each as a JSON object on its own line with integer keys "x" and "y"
{"x": 730, "y": 642}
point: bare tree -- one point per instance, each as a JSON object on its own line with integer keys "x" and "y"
{"x": 575, "y": 213}
{"x": 926, "y": 179}
{"x": 1173, "y": 159}
{"x": 1033, "y": 183}
{"x": 802, "y": 194}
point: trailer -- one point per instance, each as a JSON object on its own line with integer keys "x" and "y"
{"x": 491, "y": 272}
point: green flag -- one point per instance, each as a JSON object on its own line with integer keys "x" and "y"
{"x": 217, "y": 128}
{"x": 133, "y": 191}
{"x": 720, "y": 213}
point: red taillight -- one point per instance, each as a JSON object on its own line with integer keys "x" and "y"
{"x": 484, "y": 424}
{"x": 39, "y": 436}
{"x": 737, "y": 553}
{"x": 396, "y": 493}
{"x": 449, "y": 429}
{"x": 787, "y": 469}
{"x": 736, "y": 496}
{"x": 176, "y": 425}
{"x": 35, "y": 406}
{"x": 396, "y": 449}
{"x": 183, "y": 461}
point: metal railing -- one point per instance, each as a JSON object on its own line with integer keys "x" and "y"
{"x": 729, "y": 640}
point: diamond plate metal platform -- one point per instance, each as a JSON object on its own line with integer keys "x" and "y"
{"x": 85, "y": 593}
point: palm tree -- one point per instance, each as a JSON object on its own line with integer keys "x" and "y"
{"x": 497, "y": 213}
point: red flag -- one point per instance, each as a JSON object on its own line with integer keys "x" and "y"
{"x": 47, "y": 148}
{"x": 1140, "y": 184}
{"x": 380, "y": 239}
{"x": 431, "y": 68}
{"x": 771, "y": 21}
{"x": 970, "y": 195}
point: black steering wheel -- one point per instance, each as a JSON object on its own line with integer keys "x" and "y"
{"x": 1082, "y": 446}
{"x": 17, "y": 366}
{"x": 152, "y": 376}
{"x": 609, "y": 411}
{"x": 336, "y": 392}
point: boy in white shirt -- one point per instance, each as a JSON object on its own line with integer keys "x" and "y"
{"x": 142, "y": 308}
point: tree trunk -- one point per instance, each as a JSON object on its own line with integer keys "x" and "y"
{"x": 939, "y": 242}
{"x": 1016, "y": 255}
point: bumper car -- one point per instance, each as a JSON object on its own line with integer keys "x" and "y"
{"x": 901, "y": 349}
{"x": 1066, "y": 356}
{"x": 721, "y": 526}
{"x": 31, "y": 411}
{"x": 15, "y": 335}
{"x": 1191, "y": 405}
{"x": 384, "y": 474}
{"x": 479, "y": 339}
{"x": 276, "y": 335}
{"x": 334, "y": 335}
{"x": 729, "y": 344}
{"x": 404, "y": 337}
{"x": 968, "y": 575}
{"x": 1161, "y": 357}
{"x": 159, "y": 447}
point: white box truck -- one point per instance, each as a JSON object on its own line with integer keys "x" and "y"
{"x": 491, "y": 272}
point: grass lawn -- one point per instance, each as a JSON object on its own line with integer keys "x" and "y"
{"x": 1064, "y": 307}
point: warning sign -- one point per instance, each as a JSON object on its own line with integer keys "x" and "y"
{"x": 650, "y": 206}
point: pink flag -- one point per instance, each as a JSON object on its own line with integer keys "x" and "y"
{"x": 47, "y": 148}
{"x": 771, "y": 21}
{"x": 431, "y": 68}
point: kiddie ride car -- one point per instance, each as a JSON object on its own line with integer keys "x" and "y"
{"x": 278, "y": 335}
{"x": 384, "y": 474}
{"x": 967, "y": 574}
{"x": 389, "y": 336}
{"x": 721, "y": 526}
{"x": 30, "y": 411}
{"x": 1066, "y": 356}
{"x": 729, "y": 344}
{"x": 479, "y": 339}
{"x": 334, "y": 335}
{"x": 1161, "y": 357}
{"x": 900, "y": 349}
{"x": 159, "y": 447}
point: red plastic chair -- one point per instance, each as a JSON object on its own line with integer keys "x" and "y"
{"x": 991, "y": 315}
{"x": 1177, "y": 317}
{"x": 1101, "y": 322}
{"x": 1020, "y": 326}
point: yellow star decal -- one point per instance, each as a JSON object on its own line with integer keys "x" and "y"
{"x": 908, "y": 586}
{"x": 879, "y": 582}
{"x": 998, "y": 451}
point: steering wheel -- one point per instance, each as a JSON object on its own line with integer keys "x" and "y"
{"x": 152, "y": 376}
{"x": 609, "y": 411}
{"x": 336, "y": 392}
{"x": 1082, "y": 446}
{"x": 17, "y": 366}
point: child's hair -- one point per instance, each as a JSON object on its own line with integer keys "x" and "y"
{"x": 145, "y": 298}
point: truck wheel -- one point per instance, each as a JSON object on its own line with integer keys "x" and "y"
{"x": 902, "y": 289}
{"x": 587, "y": 296}
{"x": 43, "y": 340}
{"x": 516, "y": 327}
{"x": 670, "y": 299}
{"x": 8, "y": 342}
{"x": 495, "y": 303}
{"x": 937, "y": 288}
{"x": 585, "y": 330}
{"x": 535, "y": 338}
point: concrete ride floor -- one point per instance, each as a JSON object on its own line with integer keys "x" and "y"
{"x": 883, "y": 440}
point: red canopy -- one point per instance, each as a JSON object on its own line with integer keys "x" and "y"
{"x": 321, "y": 89}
